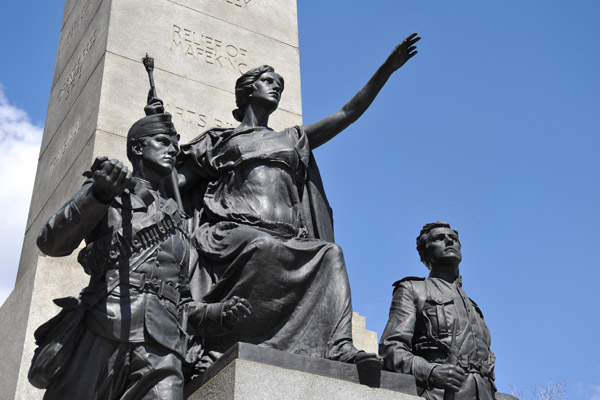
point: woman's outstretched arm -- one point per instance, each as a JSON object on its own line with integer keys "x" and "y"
{"x": 324, "y": 130}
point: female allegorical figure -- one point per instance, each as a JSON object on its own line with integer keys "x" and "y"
{"x": 264, "y": 228}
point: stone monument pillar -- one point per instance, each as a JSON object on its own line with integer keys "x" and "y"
{"x": 99, "y": 89}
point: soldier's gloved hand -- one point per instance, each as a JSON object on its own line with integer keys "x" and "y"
{"x": 235, "y": 310}
{"x": 200, "y": 315}
{"x": 447, "y": 376}
{"x": 111, "y": 178}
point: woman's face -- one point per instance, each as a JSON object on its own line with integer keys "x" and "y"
{"x": 267, "y": 90}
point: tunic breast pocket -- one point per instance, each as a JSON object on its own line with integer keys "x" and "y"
{"x": 440, "y": 315}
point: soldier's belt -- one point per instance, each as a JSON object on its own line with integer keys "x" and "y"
{"x": 478, "y": 366}
{"x": 481, "y": 367}
{"x": 121, "y": 244}
{"x": 162, "y": 289}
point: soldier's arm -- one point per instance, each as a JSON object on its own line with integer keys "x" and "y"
{"x": 396, "y": 342}
{"x": 65, "y": 230}
{"x": 213, "y": 319}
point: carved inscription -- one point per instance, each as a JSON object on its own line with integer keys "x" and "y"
{"x": 65, "y": 146}
{"x": 75, "y": 74}
{"x": 207, "y": 49}
{"x": 238, "y": 3}
{"x": 77, "y": 22}
{"x": 195, "y": 118}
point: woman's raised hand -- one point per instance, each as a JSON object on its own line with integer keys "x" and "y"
{"x": 403, "y": 52}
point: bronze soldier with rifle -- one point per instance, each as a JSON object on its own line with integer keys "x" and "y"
{"x": 435, "y": 331}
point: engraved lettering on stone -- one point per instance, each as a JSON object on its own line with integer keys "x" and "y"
{"x": 199, "y": 119}
{"x": 204, "y": 48}
{"x": 238, "y": 3}
{"x": 222, "y": 124}
{"x": 65, "y": 146}
{"x": 186, "y": 115}
{"x": 77, "y": 21}
{"x": 75, "y": 73}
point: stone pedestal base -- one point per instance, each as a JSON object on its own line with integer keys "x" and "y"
{"x": 249, "y": 372}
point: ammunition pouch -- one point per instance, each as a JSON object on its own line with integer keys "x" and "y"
{"x": 98, "y": 257}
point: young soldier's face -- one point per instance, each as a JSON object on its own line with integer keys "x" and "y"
{"x": 158, "y": 152}
{"x": 444, "y": 246}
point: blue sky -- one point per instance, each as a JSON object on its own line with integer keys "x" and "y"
{"x": 494, "y": 127}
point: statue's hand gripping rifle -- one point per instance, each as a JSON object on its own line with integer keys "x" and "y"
{"x": 453, "y": 356}
{"x": 155, "y": 106}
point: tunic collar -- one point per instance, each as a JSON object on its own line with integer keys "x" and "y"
{"x": 447, "y": 276}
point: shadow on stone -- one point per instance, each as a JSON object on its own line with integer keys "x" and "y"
{"x": 371, "y": 377}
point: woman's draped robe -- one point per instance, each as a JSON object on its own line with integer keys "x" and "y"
{"x": 264, "y": 232}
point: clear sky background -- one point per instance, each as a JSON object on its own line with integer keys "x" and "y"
{"x": 494, "y": 127}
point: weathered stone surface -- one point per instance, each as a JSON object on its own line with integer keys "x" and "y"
{"x": 111, "y": 145}
{"x": 84, "y": 61}
{"x": 13, "y": 326}
{"x": 278, "y": 18}
{"x": 58, "y": 157}
{"x": 363, "y": 339}
{"x": 199, "y": 47}
{"x": 75, "y": 25}
{"x": 251, "y": 372}
{"x": 69, "y": 4}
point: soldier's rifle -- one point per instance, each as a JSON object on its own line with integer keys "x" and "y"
{"x": 174, "y": 179}
{"x": 452, "y": 359}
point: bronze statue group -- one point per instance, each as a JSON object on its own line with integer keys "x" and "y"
{"x": 228, "y": 239}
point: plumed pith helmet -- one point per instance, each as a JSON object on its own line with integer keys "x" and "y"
{"x": 151, "y": 125}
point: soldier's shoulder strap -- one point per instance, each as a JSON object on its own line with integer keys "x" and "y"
{"x": 408, "y": 278}
{"x": 419, "y": 290}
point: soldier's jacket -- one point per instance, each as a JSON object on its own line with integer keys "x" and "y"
{"x": 144, "y": 247}
{"x": 419, "y": 331}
